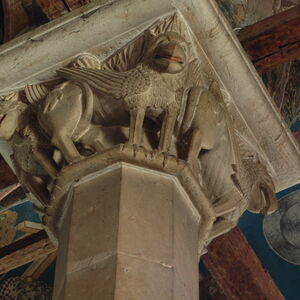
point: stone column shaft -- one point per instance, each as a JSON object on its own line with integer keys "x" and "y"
{"x": 130, "y": 233}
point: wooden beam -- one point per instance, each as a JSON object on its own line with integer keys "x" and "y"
{"x": 274, "y": 40}
{"x": 12, "y": 196}
{"x": 15, "y": 18}
{"x": 7, "y": 176}
{"x": 29, "y": 227}
{"x": 53, "y": 8}
{"x": 73, "y": 4}
{"x": 209, "y": 290}
{"x": 38, "y": 267}
{"x": 25, "y": 250}
{"x": 237, "y": 270}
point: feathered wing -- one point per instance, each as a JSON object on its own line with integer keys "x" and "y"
{"x": 216, "y": 168}
{"x": 217, "y": 163}
{"x": 35, "y": 93}
{"x": 116, "y": 84}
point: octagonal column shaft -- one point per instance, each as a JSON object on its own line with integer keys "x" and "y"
{"x": 130, "y": 234}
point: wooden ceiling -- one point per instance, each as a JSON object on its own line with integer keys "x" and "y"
{"x": 22, "y": 15}
{"x": 273, "y": 41}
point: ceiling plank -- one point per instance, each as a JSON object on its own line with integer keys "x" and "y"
{"x": 15, "y": 18}
{"x": 274, "y": 40}
{"x": 7, "y": 176}
{"x": 25, "y": 250}
{"x": 237, "y": 270}
{"x": 53, "y": 8}
{"x": 73, "y": 4}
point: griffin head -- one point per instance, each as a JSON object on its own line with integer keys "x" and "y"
{"x": 167, "y": 53}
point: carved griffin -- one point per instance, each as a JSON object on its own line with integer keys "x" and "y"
{"x": 163, "y": 88}
{"x": 234, "y": 182}
{"x": 149, "y": 88}
{"x": 155, "y": 88}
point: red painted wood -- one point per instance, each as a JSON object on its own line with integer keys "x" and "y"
{"x": 273, "y": 41}
{"x": 237, "y": 270}
{"x": 53, "y": 8}
{"x": 15, "y": 18}
{"x": 7, "y": 177}
{"x": 73, "y": 4}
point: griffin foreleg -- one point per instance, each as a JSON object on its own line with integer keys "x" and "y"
{"x": 167, "y": 128}
{"x": 137, "y": 114}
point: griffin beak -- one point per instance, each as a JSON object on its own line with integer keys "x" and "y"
{"x": 171, "y": 51}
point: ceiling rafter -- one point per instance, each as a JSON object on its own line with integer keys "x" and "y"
{"x": 25, "y": 250}
{"x": 274, "y": 40}
{"x": 237, "y": 270}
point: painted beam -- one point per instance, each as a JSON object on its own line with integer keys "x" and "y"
{"x": 7, "y": 176}
{"x": 237, "y": 270}
{"x": 53, "y": 8}
{"x": 25, "y": 250}
{"x": 15, "y": 18}
{"x": 209, "y": 289}
{"x": 38, "y": 267}
{"x": 73, "y": 4}
{"x": 274, "y": 40}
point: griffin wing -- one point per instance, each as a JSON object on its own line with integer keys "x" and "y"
{"x": 216, "y": 168}
{"x": 116, "y": 84}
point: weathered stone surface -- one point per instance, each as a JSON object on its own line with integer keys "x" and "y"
{"x": 145, "y": 238}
